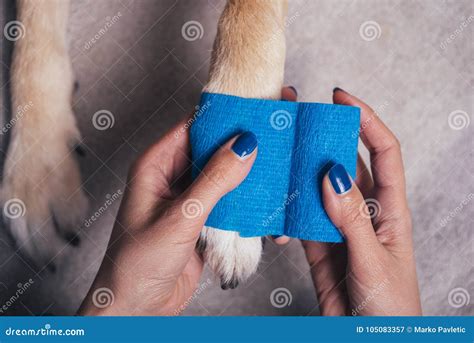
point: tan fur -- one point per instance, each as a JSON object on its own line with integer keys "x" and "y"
{"x": 40, "y": 168}
{"x": 248, "y": 58}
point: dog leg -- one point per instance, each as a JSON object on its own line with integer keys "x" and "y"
{"x": 248, "y": 61}
{"x": 41, "y": 192}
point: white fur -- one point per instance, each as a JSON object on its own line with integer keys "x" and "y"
{"x": 230, "y": 256}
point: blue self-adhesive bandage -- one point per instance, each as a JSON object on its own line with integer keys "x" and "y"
{"x": 297, "y": 144}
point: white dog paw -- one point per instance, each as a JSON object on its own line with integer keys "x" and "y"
{"x": 232, "y": 258}
{"x": 43, "y": 204}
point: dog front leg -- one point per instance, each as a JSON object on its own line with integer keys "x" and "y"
{"x": 248, "y": 61}
{"x": 41, "y": 189}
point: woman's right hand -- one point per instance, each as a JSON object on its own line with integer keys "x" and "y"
{"x": 373, "y": 272}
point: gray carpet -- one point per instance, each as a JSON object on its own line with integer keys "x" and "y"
{"x": 415, "y": 71}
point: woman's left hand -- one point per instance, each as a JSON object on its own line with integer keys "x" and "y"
{"x": 151, "y": 266}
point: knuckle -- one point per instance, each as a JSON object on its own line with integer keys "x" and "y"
{"x": 371, "y": 110}
{"x": 395, "y": 228}
{"x": 217, "y": 175}
{"x": 404, "y": 217}
{"x": 396, "y": 143}
{"x": 393, "y": 143}
{"x": 388, "y": 233}
{"x": 401, "y": 216}
{"x": 353, "y": 215}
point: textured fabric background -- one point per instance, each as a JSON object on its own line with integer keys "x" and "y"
{"x": 415, "y": 70}
{"x": 297, "y": 144}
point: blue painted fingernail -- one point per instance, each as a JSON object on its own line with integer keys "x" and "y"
{"x": 340, "y": 180}
{"x": 245, "y": 144}
{"x": 276, "y": 236}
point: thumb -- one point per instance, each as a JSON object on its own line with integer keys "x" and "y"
{"x": 227, "y": 168}
{"x": 347, "y": 210}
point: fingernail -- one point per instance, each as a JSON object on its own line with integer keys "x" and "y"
{"x": 276, "y": 236}
{"x": 338, "y": 89}
{"x": 245, "y": 144}
{"x": 293, "y": 89}
{"x": 340, "y": 180}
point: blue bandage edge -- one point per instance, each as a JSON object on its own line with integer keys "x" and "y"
{"x": 298, "y": 142}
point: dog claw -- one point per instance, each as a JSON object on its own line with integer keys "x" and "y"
{"x": 76, "y": 86}
{"x": 51, "y": 267}
{"x": 73, "y": 239}
{"x": 201, "y": 245}
{"x": 79, "y": 149}
{"x": 229, "y": 284}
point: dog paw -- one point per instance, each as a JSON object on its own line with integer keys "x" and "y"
{"x": 43, "y": 204}
{"x": 232, "y": 258}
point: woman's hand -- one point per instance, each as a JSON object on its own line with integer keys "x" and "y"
{"x": 151, "y": 266}
{"x": 373, "y": 273}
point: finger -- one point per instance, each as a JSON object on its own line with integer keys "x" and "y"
{"x": 347, "y": 210}
{"x": 385, "y": 153}
{"x": 280, "y": 240}
{"x": 227, "y": 168}
{"x": 363, "y": 178}
{"x": 328, "y": 264}
{"x": 289, "y": 93}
